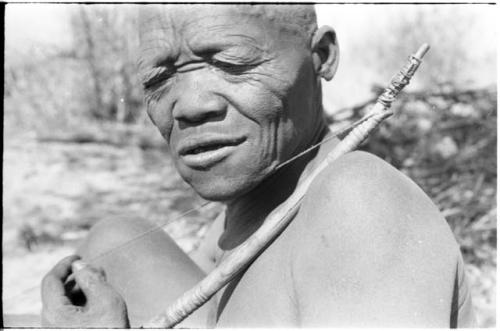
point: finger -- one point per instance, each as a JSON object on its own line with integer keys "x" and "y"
{"x": 71, "y": 285}
{"x": 63, "y": 268}
{"x": 63, "y": 317}
{"x": 53, "y": 291}
{"x": 91, "y": 280}
{"x": 78, "y": 265}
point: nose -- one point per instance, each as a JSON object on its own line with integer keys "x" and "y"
{"x": 197, "y": 102}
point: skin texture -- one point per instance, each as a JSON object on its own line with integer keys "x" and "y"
{"x": 386, "y": 280}
{"x": 224, "y": 71}
{"x": 102, "y": 307}
{"x": 367, "y": 248}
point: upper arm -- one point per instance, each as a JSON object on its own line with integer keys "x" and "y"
{"x": 374, "y": 250}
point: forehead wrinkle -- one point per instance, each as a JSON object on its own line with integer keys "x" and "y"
{"x": 154, "y": 22}
{"x": 225, "y": 20}
{"x": 157, "y": 50}
{"x": 256, "y": 43}
{"x": 228, "y": 40}
{"x": 155, "y": 38}
{"x": 172, "y": 30}
{"x": 195, "y": 33}
{"x": 180, "y": 24}
{"x": 224, "y": 35}
{"x": 163, "y": 20}
{"x": 158, "y": 39}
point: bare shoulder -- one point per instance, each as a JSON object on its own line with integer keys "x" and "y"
{"x": 370, "y": 236}
{"x": 364, "y": 193}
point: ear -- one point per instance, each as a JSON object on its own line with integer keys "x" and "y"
{"x": 325, "y": 52}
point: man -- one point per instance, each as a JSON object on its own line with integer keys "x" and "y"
{"x": 236, "y": 91}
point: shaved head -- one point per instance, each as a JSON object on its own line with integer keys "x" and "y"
{"x": 301, "y": 18}
{"x": 298, "y": 19}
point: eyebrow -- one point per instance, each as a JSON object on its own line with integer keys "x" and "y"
{"x": 255, "y": 43}
{"x": 156, "y": 56}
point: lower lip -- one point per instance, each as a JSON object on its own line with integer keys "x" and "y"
{"x": 207, "y": 159}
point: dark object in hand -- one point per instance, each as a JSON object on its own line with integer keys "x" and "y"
{"x": 80, "y": 299}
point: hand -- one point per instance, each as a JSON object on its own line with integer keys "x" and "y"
{"x": 85, "y": 301}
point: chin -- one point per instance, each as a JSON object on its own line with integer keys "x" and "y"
{"x": 226, "y": 181}
{"x": 222, "y": 189}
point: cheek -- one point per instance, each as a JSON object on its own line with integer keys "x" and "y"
{"x": 295, "y": 92}
{"x": 264, "y": 104}
{"x": 159, "y": 111}
{"x": 257, "y": 102}
{"x": 275, "y": 99}
{"x": 258, "y": 96}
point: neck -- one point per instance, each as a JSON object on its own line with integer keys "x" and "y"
{"x": 247, "y": 213}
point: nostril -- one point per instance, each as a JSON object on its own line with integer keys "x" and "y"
{"x": 196, "y": 117}
{"x": 196, "y": 98}
{"x": 196, "y": 109}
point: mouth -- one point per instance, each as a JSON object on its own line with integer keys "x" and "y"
{"x": 203, "y": 153}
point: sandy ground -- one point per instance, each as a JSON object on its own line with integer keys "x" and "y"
{"x": 54, "y": 192}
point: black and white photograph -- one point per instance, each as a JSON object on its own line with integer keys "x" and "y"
{"x": 249, "y": 165}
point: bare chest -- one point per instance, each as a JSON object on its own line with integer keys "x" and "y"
{"x": 263, "y": 295}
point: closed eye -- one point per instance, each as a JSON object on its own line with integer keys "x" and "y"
{"x": 156, "y": 77}
{"x": 231, "y": 68}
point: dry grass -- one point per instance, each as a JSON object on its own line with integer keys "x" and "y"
{"x": 58, "y": 183}
{"x": 446, "y": 141}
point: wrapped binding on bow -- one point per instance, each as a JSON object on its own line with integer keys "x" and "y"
{"x": 241, "y": 256}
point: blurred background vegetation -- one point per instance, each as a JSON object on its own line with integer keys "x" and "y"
{"x": 78, "y": 146}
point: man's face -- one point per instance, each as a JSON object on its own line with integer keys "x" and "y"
{"x": 231, "y": 93}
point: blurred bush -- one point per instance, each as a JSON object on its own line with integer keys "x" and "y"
{"x": 87, "y": 96}
{"x": 105, "y": 42}
{"x": 49, "y": 89}
{"x": 376, "y": 40}
{"x": 446, "y": 141}
{"x": 450, "y": 46}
